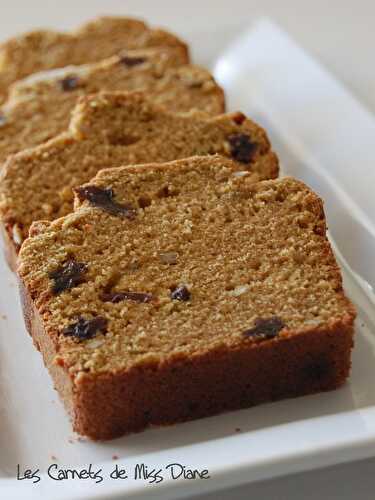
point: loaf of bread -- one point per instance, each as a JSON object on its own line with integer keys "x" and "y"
{"x": 104, "y": 37}
{"x": 39, "y": 107}
{"x": 111, "y": 130}
{"x": 176, "y": 291}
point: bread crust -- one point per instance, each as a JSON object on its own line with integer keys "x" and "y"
{"x": 110, "y": 405}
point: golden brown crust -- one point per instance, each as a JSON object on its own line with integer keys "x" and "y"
{"x": 96, "y": 40}
{"x": 228, "y": 380}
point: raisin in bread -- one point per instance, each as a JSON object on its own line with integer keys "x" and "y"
{"x": 111, "y": 130}
{"x": 39, "y": 107}
{"x": 96, "y": 40}
{"x": 176, "y": 291}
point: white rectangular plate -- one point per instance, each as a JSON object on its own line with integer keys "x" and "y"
{"x": 322, "y": 136}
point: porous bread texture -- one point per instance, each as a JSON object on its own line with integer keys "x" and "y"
{"x": 39, "y": 107}
{"x": 96, "y": 40}
{"x": 244, "y": 251}
{"x": 111, "y": 130}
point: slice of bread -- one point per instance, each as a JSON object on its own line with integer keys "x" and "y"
{"x": 181, "y": 290}
{"x": 111, "y": 130}
{"x": 39, "y": 107}
{"x": 96, "y": 40}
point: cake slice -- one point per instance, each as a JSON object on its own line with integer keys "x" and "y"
{"x": 177, "y": 291}
{"x": 111, "y": 130}
{"x": 96, "y": 40}
{"x": 39, "y": 107}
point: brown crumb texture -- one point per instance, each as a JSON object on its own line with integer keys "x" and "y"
{"x": 101, "y": 38}
{"x": 110, "y": 130}
{"x": 39, "y": 107}
{"x": 246, "y": 258}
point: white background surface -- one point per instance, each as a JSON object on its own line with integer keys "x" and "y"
{"x": 341, "y": 35}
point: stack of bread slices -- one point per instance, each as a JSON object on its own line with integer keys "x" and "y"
{"x": 166, "y": 272}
